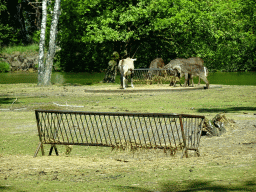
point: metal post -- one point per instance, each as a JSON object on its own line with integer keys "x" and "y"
{"x": 40, "y": 135}
{"x": 183, "y": 137}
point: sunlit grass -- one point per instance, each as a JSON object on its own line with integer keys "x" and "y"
{"x": 20, "y": 48}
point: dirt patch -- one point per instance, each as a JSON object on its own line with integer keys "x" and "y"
{"x": 237, "y": 141}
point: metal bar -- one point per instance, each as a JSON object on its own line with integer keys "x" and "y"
{"x": 152, "y": 132}
{"x": 38, "y": 148}
{"x": 177, "y": 131}
{"x": 104, "y": 117}
{"x": 83, "y": 127}
{"x": 183, "y": 136}
{"x": 127, "y": 131}
{"x": 43, "y": 128}
{"x": 166, "y": 128}
{"x": 78, "y": 127}
{"x": 137, "y": 127}
{"x": 121, "y": 125}
{"x": 89, "y": 129}
{"x": 162, "y": 132}
{"x": 56, "y": 128}
{"x": 194, "y": 134}
{"x": 68, "y": 126}
{"x": 39, "y": 133}
{"x": 94, "y": 129}
{"x": 131, "y": 127}
{"x": 118, "y": 133}
{"x": 157, "y": 130}
{"x": 141, "y": 127}
{"x": 147, "y": 130}
{"x": 74, "y": 127}
{"x": 49, "y": 120}
{"x": 121, "y": 113}
{"x": 63, "y": 125}
{"x": 106, "y": 141}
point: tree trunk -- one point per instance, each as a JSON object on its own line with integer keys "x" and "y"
{"x": 46, "y": 68}
{"x": 51, "y": 52}
{"x": 41, "y": 44}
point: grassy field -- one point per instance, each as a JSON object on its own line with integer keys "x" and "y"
{"x": 21, "y": 49}
{"x": 227, "y": 163}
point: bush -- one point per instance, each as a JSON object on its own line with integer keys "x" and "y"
{"x": 4, "y": 67}
{"x": 36, "y": 37}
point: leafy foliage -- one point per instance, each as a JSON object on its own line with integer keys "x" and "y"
{"x": 19, "y": 19}
{"x": 5, "y": 29}
{"x": 221, "y": 32}
{"x": 4, "y": 67}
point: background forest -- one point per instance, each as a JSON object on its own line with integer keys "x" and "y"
{"x": 221, "y": 32}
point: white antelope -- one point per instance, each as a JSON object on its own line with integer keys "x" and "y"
{"x": 126, "y": 67}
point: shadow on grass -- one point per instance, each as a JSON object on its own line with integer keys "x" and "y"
{"x": 5, "y": 101}
{"x": 192, "y": 186}
{"x": 6, "y": 188}
{"x": 227, "y": 110}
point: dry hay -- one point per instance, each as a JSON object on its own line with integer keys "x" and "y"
{"x": 218, "y": 125}
{"x": 136, "y": 147}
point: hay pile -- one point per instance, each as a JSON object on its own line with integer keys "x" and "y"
{"x": 217, "y": 126}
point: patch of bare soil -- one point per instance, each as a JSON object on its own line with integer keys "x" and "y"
{"x": 239, "y": 141}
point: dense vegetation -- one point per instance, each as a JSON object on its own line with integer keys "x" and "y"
{"x": 19, "y": 22}
{"x": 222, "y": 32}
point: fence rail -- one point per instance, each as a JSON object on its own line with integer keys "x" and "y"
{"x": 119, "y": 130}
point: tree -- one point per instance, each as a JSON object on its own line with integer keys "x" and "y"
{"x": 6, "y": 34}
{"x": 45, "y": 66}
{"x": 216, "y": 31}
{"x": 20, "y": 20}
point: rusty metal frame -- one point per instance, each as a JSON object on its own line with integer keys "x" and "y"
{"x": 166, "y": 131}
{"x": 148, "y": 75}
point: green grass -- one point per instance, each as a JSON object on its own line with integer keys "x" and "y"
{"x": 20, "y": 48}
{"x": 232, "y": 99}
{"x": 100, "y": 168}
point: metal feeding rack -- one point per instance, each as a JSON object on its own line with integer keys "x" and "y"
{"x": 165, "y": 131}
{"x": 150, "y": 75}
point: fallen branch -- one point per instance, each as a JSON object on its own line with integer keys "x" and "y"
{"x": 13, "y": 102}
{"x": 13, "y": 109}
{"x": 66, "y": 105}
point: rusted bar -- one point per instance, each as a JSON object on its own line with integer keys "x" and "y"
{"x": 183, "y": 136}
{"x": 39, "y": 134}
{"x": 55, "y": 148}
{"x": 40, "y": 146}
{"x": 77, "y": 120}
{"x": 120, "y": 113}
{"x": 122, "y": 131}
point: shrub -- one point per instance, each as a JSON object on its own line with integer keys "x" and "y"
{"x": 4, "y": 67}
